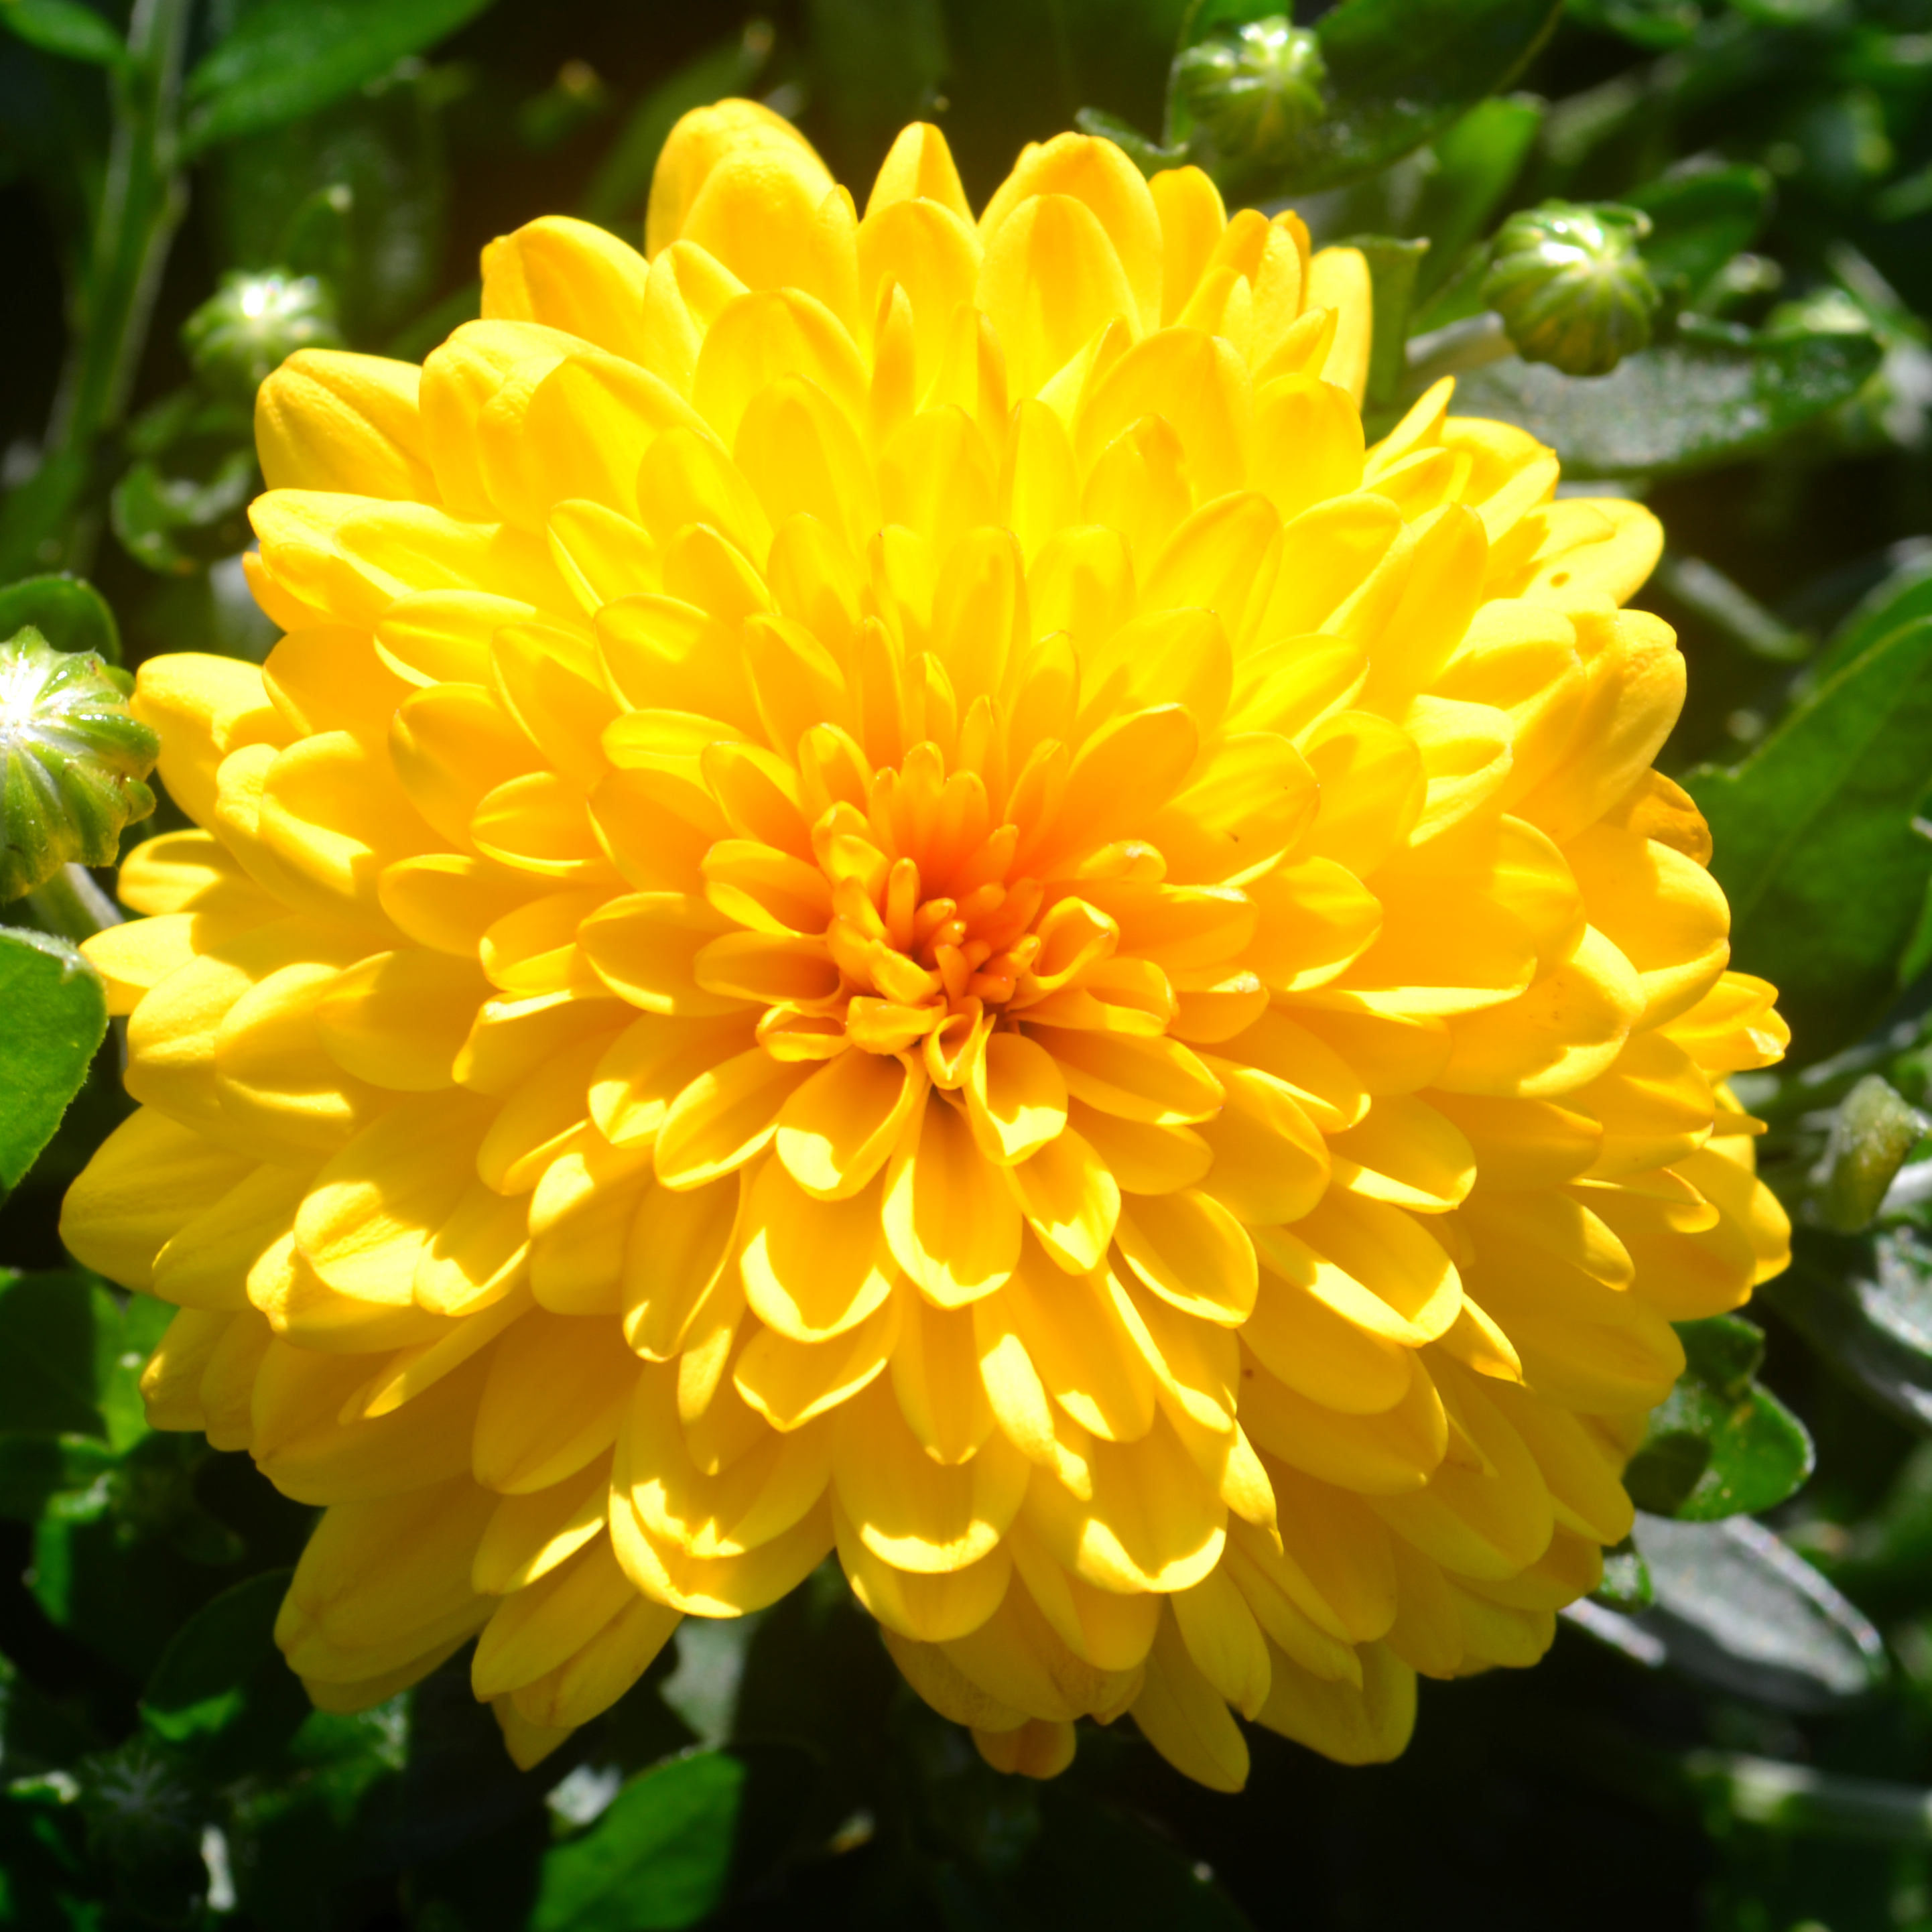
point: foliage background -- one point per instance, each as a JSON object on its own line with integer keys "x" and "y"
{"x": 1737, "y": 1736}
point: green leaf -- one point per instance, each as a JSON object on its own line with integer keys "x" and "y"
{"x": 52, "y": 1329}
{"x": 153, "y": 1500}
{"x": 65, "y": 28}
{"x": 1476, "y": 161}
{"x": 616, "y": 197}
{"x": 1719, "y": 1444}
{"x": 1649, "y": 23}
{"x": 220, "y": 1661}
{"x": 175, "y": 524}
{"x": 1741, "y": 1609}
{"x": 1149, "y": 157}
{"x": 36, "y": 517}
{"x": 35, "y": 1468}
{"x": 1827, "y": 799}
{"x": 1399, "y": 73}
{"x": 1626, "y": 1584}
{"x": 660, "y": 1857}
{"x": 69, "y": 613}
{"x": 119, "y": 1361}
{"x": 1394, "y": 264}
{"x": 48, "y": 1882}
{"x": 285, "y": 59}
{"x": 1918, "y": 954}
{"x": 1903, "y": 596}
{"x": 1713, "y": 395}
{"x": 114, "y": 1580}
{"x": 54, "y": 1006}
{"x": 1699, "y": 220}
{"x": 1865, "y": 1305}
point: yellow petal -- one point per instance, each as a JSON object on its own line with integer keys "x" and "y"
{"x": 677, "y": 1255}
{"x": 1338, "y": 278}
{"x": 1099, "y": 177}
{"x": 1372, "y": 1263}
{"x": 326, "y": 420}
{"x": 1270, "y": 1162}
{"x": 910, "y": 1511}
{"x": 1070, "y": 1199}
{"x": 1391, "y": 1454}
{"x": 1303, "y": 1342}
{"x": 1072, "y": 1332}
{"x": 812, "y": 1269}
{"x": 552, "y": 1402}
{"x": 790, "y": 1383}
{"x": 206, "y": 1264}
{"x": 1192, "y": 1251}
{"x": 952, "y": 1224}
{"x": 570, "y": 275}
{"x": 1151, "y": 1523}
{"x": 398, "y": 1019}
{"x": 936, "y": 1378}
{"x": 1369, "y": 1726}
{"x": 1223, "y": 1641}
{"x": 928, "y": 1607}
{"x": 149, "y": 1180}
{"x": 723, "y": 1118}
{"x": 1051, "y": 280}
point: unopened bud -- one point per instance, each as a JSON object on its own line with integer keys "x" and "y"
{"x": 253, "y": 323}
{"x": 1570, "y": 286}
{"x": 73, "y": 761}
{"x": 1875, "y": 1128}
{"x": 1241, "y": 101}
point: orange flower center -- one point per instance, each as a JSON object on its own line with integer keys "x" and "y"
{"x": 943, "y": 926}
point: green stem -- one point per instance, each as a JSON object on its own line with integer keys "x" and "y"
{"x": 1731, "y": 610}
{"x": 1471, "y": 343}
{"x": 1793, "y": 1798}
{"x": 142, "y": 197}
{"x": 70, "y": 905}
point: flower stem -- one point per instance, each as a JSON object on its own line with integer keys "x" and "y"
{"x": 70, "y": 905}
{"x": 142, "y": 197}
{"x": 1793, "y": 1798}
{"x": 1471, "y": 343}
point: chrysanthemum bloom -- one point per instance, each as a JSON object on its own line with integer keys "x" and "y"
{"x": 887, "y": 899}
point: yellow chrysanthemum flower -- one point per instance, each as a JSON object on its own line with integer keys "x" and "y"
{"x": 887, "y": 899}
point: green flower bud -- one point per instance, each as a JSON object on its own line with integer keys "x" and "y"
{"x": 1241, "y": 101}
{"x": 1875, "y": 1128}
{"x": 144, "y": 1818}
{"x": 73, "y": 758}
{"x": 253, "y": 323}
{"x": 1570, "y": 286}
